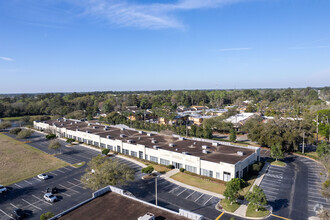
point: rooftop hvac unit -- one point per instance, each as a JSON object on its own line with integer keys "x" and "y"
{"x": 139, "y": 138}
{"x": 62, "y": 124}
{"x": 240, "y": 153}
{"x": 71, "y": 123}
{"x": 94, "y": 127}
{"x": 105, "y": 128}
{"x": 171, "y": 145}
{"x": 140, "y": 132}
{"x": 89, "y": 124}
{"x": 215, "y": 144}
{"x": 154, "y": 141}
{"x": 149, "y": 134}
{"x": 186, "y": 153}
{"x": 122, "y": 135}
{"x": 87, "y": 131}
{"x": 206, "y": 152}
{"x": 108, "y": 136}
{"x": 156, "y": 147}
{"x": 76, "y": 122}
{"x": 64, "y": 119}
{"x": 147, "y": 216}
{"x": 77, "y": 129}
{"x": 181, "y": 138}
{"x": 205, "y": 146}
{"x": 123, "y": 129}
{"x": 130, "y": 141}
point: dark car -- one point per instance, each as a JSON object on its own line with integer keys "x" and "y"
{"x": 52, "y": 190}
{"x": 18, "y": 214}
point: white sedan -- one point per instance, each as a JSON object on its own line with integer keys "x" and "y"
{"x": 43, "y": 176}
{"x": 50, "y": 197}
{"x": 3, "y": 189}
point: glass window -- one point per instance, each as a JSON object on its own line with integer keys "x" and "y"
{"x": 191, "y": 169}
{"x": 164, "y": 162}
{"x": 154, "y": 159}
{"x": 134, "y": 153}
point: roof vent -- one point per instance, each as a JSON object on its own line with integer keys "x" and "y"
{"x": 64, "y": 119}
{"x": 94, "y": 127}
{"x": 122, "y": 135}
{"x": 172, "y": 145}
{"x": 186, "y": 153}
{"x": 139, "y": 138}
{"x": 76, "y": 122}
{"x": 105, "y": 128}
{"x": 123, "y": 129}
{"x": 77, "y": 129}
{"x": 87, "y": 131}
{"x": 206, "y": 152}
{"x": 176, "y": 149}
{"x": 205, "y": 146}
{"x": 181, "y": 138}
{"x": 108, "y": 136}
{"x": 89, "y": 124}
{"x": 215, "y": 144}
{"x": 141, "y": 132}
{"x": 240, "y": 153}
{"x": 62, "y": 124}
{"x": 194, "y": 143}
{"x": 130, "y": 141}
{"x": 154, "y": 141}
{"x": 147, "y": 216}
{"x": 156, "y": 147}
{"x": 149, "y": 134}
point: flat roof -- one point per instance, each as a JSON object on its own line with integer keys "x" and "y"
{"x": 115, "y": 206}
{"x": 217, "y": 154}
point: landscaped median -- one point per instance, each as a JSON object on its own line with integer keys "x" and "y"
{"x": 19, "y": 161}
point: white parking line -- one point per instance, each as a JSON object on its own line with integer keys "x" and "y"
{"x": 68, "y": 188}
{"x": 77, "y": 185}
{"x": 31, "y": 204}
{"x": 182, "y": 192}
{"x": 267, "y": 187}
{"x": 169, "y": 186}
{"x": 190, "y": 194}
{"x": 18, "y": 185}
{"x": 323, "y": 203}
{"x": 66, "y": 168}
{"x": 13, "y": 205}
{"x": 41, "y": 200}
{"x": 53, "y": 173}
{"x": 77, "y": 180}
{"x": 60, "y": 171}
{"x": 6, "y": 214}
{"x": 174, "y": 189}
{"x": 208, "y": 200}
{"x": 28, "y": 182}
{"x": 199, "y": 197}
{"x": 37, "y": 179}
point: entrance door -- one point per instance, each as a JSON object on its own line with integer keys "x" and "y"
{"x": 177, "y": 165}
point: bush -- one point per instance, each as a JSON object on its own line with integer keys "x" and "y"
{"x": 50, "y": 136}
{"x": 24, "y": 133}
{"x": 5, "y": 124}
{"x": 170, "y": 166}
{"x": 15, "y": 131}
{"x": 46, "y": 216}
{"x": 105, "y": 151}
{"x": 162, "y": 172}
{"x": 70, "y": 140}
{"x": 181, "y": 170}
{"x": 147, "y": 169}
{"x": 256, "y": 167}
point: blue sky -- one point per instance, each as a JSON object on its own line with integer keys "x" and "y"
{"x": 102, "y": 45}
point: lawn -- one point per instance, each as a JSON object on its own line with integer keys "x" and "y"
{"x": 229, "y": 207}
{"x": 20, "y": 161}
{"x": 251, "y": 212}
{"x": 278, "y": 163}
{"x": 159, "y": 168}
{"x": 200, "y": 182}
{"x": 250, "y": 180}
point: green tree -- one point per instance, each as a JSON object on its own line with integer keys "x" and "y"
{"x": 50, "y": 136}
{"x": 25, "y": 133}
{"x": 257, "y": 197}
{"x": 106, "y": 172}
{"x": 70, "y": 140}
{"x": 5, "y": 124}
{"x": 105, "y": 151}
{"x": 46, "y": 216}
{"x": 15, "y": 131}
{"x": 54, "y": 145}
{"x": 323, "y": 152}
{"x": 232, "y": 136}
{"x": 232, "y": 189}
{"x": 147, "y": 169}
{"x": 326, "y": 189}
{"x": 276, "y": 152}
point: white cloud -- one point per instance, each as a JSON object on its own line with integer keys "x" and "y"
{"x": 6, "y": 59}
{"x": 150, "y": 16}
{"x": 235, "y": 49}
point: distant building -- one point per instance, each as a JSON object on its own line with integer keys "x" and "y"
{"x": 239, "y": 119}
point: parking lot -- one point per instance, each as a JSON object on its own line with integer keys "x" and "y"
{"x": 294, "y": 190}
{"x": 28, "y": 194}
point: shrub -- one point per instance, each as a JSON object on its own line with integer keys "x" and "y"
{"x": 162, "y": 172}
{"x": 15, "y": 131}
{"x": 46, "y": 216}
{"x": 70, "y": 140}
{"x": 170, "y": 166}
{"x": 5, "y": 124}
{"x": 50, "y": 136}
{"x": 256, "y": 167}
{"x": 24, "y": 133}
{"x": 147, "y": 169}
{"x": 105, "y": 151}
{"x": 181, "y": 170}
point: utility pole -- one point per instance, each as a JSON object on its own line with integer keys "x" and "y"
{"x": 317, "y": 129}
{"x": 303, "y": 147}
{"x": 156, "y": 190}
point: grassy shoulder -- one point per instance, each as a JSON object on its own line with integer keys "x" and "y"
{"x": 278, "y": 163}
{"x": 251, "y": 212}
{"x": 80, "y": 164}
{"x": 229, "y": 207}
{"x": 312, "y": 155}
{"x": 216, "y": 186}
{"x": 19, "y": 161}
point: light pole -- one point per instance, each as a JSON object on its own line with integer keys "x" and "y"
{"x": 156, "y": 190}
{"x": 303, "y": 146}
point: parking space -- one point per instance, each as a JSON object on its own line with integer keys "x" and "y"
{"x": 271, "y": 183}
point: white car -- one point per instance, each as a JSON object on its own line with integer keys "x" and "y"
{"x": 43, "y": 176}
{"x": 3, "y": 189}
{"x": 50, "y": 197}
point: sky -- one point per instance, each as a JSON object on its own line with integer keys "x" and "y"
{"x": 112, "y": 45}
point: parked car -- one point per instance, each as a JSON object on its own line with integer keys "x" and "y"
{"x": 43, "y": 176}
{"x": 3, "y": 189}
{"x": 52, "y": 190}
{"x": 18, "y": 214}
{"x": 49, "y": 197}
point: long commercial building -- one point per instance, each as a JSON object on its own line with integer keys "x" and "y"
{"x": 210, "y": 158}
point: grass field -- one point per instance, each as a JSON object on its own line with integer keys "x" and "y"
{"x": 251, "y": 212}
{"x": 199, "y": 182}
{"x": 278, "y": 163}
{"x": 229, "y": 207}
{"x": 20, "y": 161}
